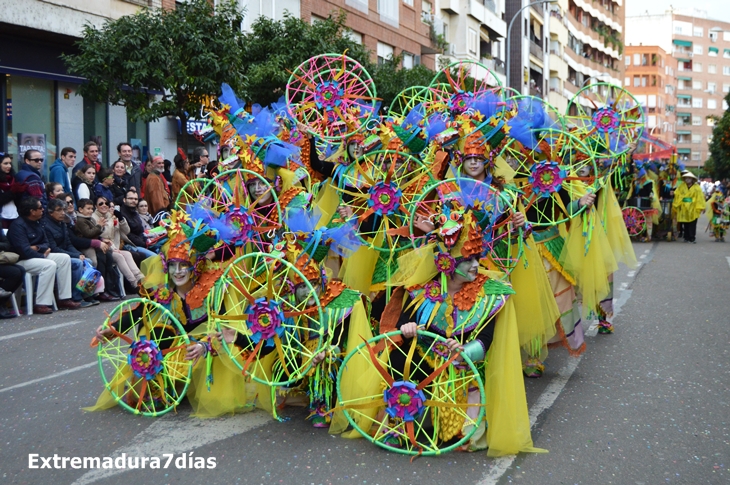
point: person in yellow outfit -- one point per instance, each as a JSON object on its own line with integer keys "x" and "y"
{"x": 689, "y": 202}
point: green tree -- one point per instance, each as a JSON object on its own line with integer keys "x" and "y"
{"x": 274, "y": 48}
{"x": 718, "y": 164}
{"x": 159, "y": 62}
{"x": 391, "y": 78}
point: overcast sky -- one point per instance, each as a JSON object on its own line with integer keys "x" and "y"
{"x": 716, "y": 9}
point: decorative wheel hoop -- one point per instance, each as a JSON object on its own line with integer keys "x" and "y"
{"x": 202, "y": 190}
{"x": 503, "y": 246}
{"x": 540, "y": 179}
{"x": 617, "y": 119}
{"x": 332, "y": 94}
{"x": 412, "y": 413}
{"x": 408, "y": 99}
{"x": 143, "y": 365}
{"x": 635, "y": 220}
{"x": 383, "y": 184}
{"x": 259, "y": 304}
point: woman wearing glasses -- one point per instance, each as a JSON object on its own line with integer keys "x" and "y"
{"x": 10, "y": 191}
{"x": 113, "y": 233}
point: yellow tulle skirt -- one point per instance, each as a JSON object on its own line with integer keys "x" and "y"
{"x": 615, "y": 228}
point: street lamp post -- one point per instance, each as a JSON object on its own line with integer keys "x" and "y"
{"x": 509, "y": 33}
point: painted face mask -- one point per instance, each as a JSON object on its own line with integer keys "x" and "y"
{"x": 179, "y": 272}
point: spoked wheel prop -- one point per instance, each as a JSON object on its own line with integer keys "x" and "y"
{"x": 555, "y": 171}
{"x": 252, "y": 207}
{"x": 332, "y": 94}
{"x": 408, "y": 99}
{"x": 380, "y": 189}
{"x": 201, "y": 191}
{"x": 440, "y": 207}
{"x": 143, "y": 363}
{"x": 613, "y": 121}
{"x": 635, "y": 220}
{"x": 257, "y": 301}
{"x": 424, "y": 406}
{"x": 459, "y": 84}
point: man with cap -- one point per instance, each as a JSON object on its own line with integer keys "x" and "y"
{"x": 689, "y": 202}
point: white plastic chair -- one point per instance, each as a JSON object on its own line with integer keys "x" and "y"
{"x": 29, "y": 286}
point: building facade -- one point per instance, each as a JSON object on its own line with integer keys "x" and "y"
{"x": 701, "y": 48}
{"x": 40, "y": 95}
{"x": 651, "y": 76}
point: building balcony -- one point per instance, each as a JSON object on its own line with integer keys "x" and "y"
{"x": 486, "y": 13}
{"x": 536, "y": 49}
{"x": 451, "y": 6}
{"x": 494, "y": 65}
{"x": 574, "y": 25}
{"x": 534, "y": 91}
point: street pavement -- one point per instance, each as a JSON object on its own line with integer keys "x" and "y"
{"x": 647, "y": 405}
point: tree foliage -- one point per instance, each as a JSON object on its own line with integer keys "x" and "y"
{"x": 719, "y": 163}
{"x": 159, "y": 62}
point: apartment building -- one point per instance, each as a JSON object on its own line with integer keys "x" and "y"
{"x": 39, "y": 93}
{"x": 701, "y": 48}
{"x": 651, "y": 76}
{"x": 529, "y": 57}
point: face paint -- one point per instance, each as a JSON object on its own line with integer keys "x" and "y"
{"x": 468, "y": 269}
{"x": 301, "y": 292}
{"x": 180, "y": 272}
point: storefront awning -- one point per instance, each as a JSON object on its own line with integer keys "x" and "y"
{"x": 714, "y": 49}
{"x": 683, "y": 60}
{"x": 680, "y": 115}
{"x": 684, "y": 96}
{"x": 684, "y": 151}
{"x": 684, "y": 132}
{"x": 684, "y": 78}
{"x": 683, "y": 43}
{"x": 727, "y": 52}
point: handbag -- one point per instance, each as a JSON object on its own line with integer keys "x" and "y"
{"x": 89, "y": 279}
{"x": 7, "y": 257}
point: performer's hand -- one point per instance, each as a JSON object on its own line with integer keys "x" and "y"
{"x": 423, "y": 223}
{"x": 319, "y": 358}
{"x": 195, "y": 351}
{"x": 409, "y": 329}
{"x": 344, "y": 212}
{"x": 587, "y": 200}
{"x": 454, "y": 346}
{"x": 518, "y": 220}
{"x": 103, "y": 333}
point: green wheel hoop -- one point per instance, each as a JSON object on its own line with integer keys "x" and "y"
{"x": 445, "y": 399}
{"x": 635, "y": 220}
{"x": 408, "y": 99}
{"x": 380, "y": 189}
{"x": 198, "y": 190}
{"x": 254, "y": 298}
{"x": 559, "y": 162}
{"x": 143, "y": 365}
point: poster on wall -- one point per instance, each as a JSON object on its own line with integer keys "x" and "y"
{"x": 136, "y": 150}
{"x": 32, "y": 141}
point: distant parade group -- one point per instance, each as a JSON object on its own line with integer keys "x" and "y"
{"x": 398, "y": 270}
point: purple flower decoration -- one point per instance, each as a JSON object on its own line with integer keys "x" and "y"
{"x": 241, "y": 223}
{"x": 606, "y": 120}
{"x": 461, "y": 101}
{"x": 442, "y": 350}
{"x": 329, "y": 95}
{"x": 384, "y": 198}
{"x": 445, "y": 263}
{"x": 546, "y": 178}
{"x": 265, "y": 321}
{"x": 404, "y": 401}
{"x": 145, "y": 358}
{"x": 433, "y": 292}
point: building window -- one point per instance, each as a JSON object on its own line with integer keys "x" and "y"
{"x": 388, "y": 10}
{"x": 472, "y": 41}
{"x": 408, "y": 2}
{"x": 315, "y": 19}
{"x": 696, "y": 156}
{"x": 724, "y": 105}
{"x": 696, "y": 102}
{"x": 408, "y": 60}
{"x": 32, "y": 104}
{"x": 361, "y": 5}
{"x": 696, "y": 121}
{"x": 696, "y": 138}
{"x": 697, "y": 66}
{"x": 353, "y": 36}
{"x": 711, "y": 104}
{"x": 627, "y": 81}
{"x": 712, "y": 68}
{"x": 697, "y": 85}
{"x": 726, "y": 88}
{"x": 698, "y": 32}
{"x": 712, "y": 87}
{"x": 637, "y": 81}
{"x": 627, "y": 60}
{"x": 385, "y": 52}
{"x": 697, "y": 49}
{"x": 710, "y": 122}
{"x": 637, "y": 59}
{"x": 426, "y": 14}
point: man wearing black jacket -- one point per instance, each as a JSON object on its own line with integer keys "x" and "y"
{"x": 29, "y": 240}
{"x": 12, "y": 277}
{"x": 136, "y": 228}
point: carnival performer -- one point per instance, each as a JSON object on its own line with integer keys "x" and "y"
{"x": 689, "y": 202}
{"x": 719, "y": 222}
{"x": 180, "y": 279}
{"x": 449, "y": 293}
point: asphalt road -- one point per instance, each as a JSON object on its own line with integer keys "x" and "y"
{"x": 647, "y": 405}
